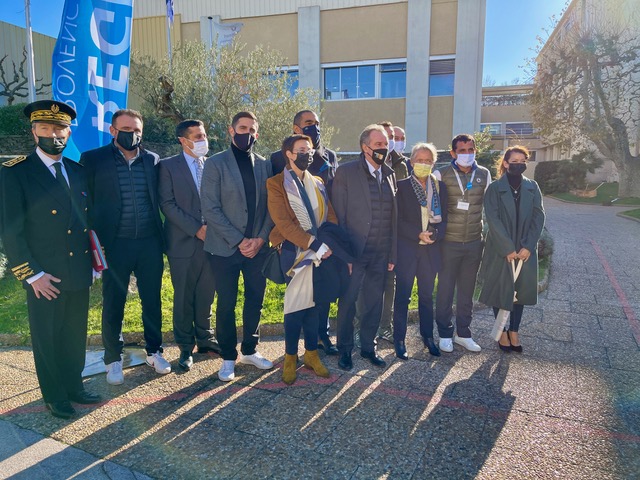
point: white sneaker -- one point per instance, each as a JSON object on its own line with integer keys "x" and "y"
{"x": 227, "y": 371}
{"x": 467, "y": 343}
{"x": 157, "y": 361}
{"x": 257, "y": 361}
{"x": 114, "y": 373}
{"x": 446, "y": 345}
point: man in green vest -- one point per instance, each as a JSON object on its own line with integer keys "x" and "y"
{"x": 466, "y": 183}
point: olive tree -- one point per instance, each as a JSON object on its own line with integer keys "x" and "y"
{"x": 213, "y": 84}
{"x": 587, "y": 94}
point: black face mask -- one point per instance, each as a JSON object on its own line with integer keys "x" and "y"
{"x": 303, "y": 160}
{"x": 128, "y": 140}
{"x": 517, "y": 168}
{"x": 52, "y": 146}
{"x": 379, "y": 155}
{"x": 244, "y": 141}
{"x": 313, "y": 132}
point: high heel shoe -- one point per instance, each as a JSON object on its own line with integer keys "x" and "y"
{"x": 505, "y": 348}
{"x": 515, "y": 348}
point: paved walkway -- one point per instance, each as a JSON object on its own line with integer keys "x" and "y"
{"x": 569, "y": 407}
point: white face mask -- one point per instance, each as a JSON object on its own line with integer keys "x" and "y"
{"x": 466, "y": 159}
{"x": 392, "y": 144}
{"x": 200, "y": 148}
{"x": 399, "y": 146}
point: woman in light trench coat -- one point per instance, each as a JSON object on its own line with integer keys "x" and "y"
{"x": 515, "y": 215}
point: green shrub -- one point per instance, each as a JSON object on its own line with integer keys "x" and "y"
{"x": 13, "y": 121}
{"x": 545, "y": 245}
{"x": 564, "y": 175}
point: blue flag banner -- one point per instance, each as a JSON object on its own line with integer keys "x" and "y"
{"x": 91, "y": 67}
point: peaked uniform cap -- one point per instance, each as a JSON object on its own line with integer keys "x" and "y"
{"x": 50, "y": 111}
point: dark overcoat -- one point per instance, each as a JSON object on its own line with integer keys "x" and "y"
{"x": 505, "y": 237}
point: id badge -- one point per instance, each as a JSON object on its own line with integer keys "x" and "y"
{"x": 463, "y": 205}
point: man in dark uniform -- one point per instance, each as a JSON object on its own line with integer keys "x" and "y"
{"x": 324, "y": 165}
{"x": 44, "y": 231}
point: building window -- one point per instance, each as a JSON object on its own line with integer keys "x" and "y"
{"x": 519, "y": 128}
{"x": 505, "y": 100}
{"x": 393, "y": 80}
{"x": 292, "y": 81}
{"x": 494, "y": 128}
{"x": 441, "y": 77}
{"x": 349, "y": 82}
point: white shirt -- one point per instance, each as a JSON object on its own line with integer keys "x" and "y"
{"x": 49, "y": 162}
{"x": 372, "y": 170}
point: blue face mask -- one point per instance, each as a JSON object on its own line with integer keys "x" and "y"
{"x": 313, "y": 132}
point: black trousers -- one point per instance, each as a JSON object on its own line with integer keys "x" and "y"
{"x": 305, "y": 320}
{"x": 515, "y": 317}
{"x": 407, "y": 269}
{"x": 194, "y": 288}
{"x": 59, "y": 338}
{"x": 143, "y": 257}
{"x": 227, "y": 273}
{"x": 369, "y": 274}
{"x": 323, "y": 322}
{"x": 460, "y": 263}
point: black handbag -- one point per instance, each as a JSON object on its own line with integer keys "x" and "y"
{"x": 271, "y": 268}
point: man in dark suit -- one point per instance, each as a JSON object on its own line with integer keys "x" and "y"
{"x": 234, "y": 206}
{"x": 124, "y": 213}
{"x": 179, "y": 180}
{"x": 324, "y": 165}
{"x": 45, "y": 234}
{"x": 363, "y": 198}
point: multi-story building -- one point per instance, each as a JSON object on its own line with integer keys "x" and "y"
{"x": 416, "y": 63}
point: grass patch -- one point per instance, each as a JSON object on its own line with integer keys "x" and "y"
{"x": 606, "y": 193}
{"x": 632, "y": 213}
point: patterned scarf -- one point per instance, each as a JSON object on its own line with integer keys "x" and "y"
{"x": 427, "y": 199}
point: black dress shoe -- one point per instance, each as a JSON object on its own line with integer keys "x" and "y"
{"x": 374, "y": 358}
{"x": 401, "y": 351}
{"x": 186, "y": 360}
{"x": 209, "y": 346}
{"x": 85, "y": 398}
{"x": 328, "y": 347}
{"x": 514, "y": 348}
{"x": 345, "y": 362}
{"x": 433, "y": 348}
{"x": 61, "y": 409}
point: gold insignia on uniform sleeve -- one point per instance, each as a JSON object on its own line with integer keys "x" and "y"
{"x": 23, "y": 271}
{"x": 14, "y": 161}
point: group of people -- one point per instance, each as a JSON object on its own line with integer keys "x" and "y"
{"x": 360, "y": 233}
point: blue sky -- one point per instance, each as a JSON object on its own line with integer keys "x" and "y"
{"x": 511, "y": 29}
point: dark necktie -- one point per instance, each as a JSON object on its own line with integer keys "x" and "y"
{"x": 60, "y": 177}
{"x": 378, "y": 179}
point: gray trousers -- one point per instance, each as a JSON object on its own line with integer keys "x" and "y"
{"x": 460, "y": 263}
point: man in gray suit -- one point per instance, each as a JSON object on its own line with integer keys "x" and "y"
{"x": 179, "y": 181}
{"x": 234, "y": 206}
{"x": 363, "y": 197}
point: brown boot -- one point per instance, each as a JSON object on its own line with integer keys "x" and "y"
{"x": 312, "y": 361}
{"x": 289, "y": 368}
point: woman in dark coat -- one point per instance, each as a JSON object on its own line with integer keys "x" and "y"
{"x": 514, "y": 213}
{"x": 422, "y": 220}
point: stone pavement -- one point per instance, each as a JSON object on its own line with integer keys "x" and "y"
{"x": 568, "y": 407}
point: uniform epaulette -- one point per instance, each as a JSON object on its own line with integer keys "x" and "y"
{"x": 14, "y": 161}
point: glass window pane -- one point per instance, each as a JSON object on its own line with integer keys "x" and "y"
{"x": 441, "y": 85}
{"x": 393, "y": 67}
{"x": 349, "y": 82}
{"x": 366, "y": 82}
{"x": 332, "y": 83}
{"x": 292, "y": 80}
{"x": 393, "y": 84}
